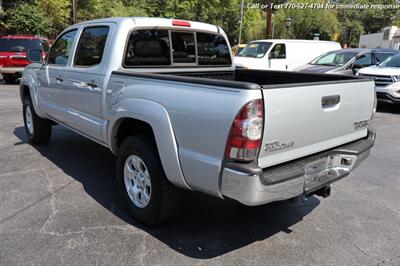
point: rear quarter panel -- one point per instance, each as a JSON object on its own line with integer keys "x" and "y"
{"x": 201, "y": 117}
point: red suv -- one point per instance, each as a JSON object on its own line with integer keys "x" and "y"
{"x": 13, "y": 52}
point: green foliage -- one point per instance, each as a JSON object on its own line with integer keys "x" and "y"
{"x": 59, "y": 11}
{"x": 30, "y": 19}
{"x": 306, "y": 22}
{"x": 51, "y": 16}
{"x": 92, "y": 9}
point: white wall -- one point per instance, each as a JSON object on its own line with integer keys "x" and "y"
{"x": 375, "y": 40}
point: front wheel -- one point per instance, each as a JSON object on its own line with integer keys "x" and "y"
{"x": 37, "y": 129}
{"x": 150, "y": 197}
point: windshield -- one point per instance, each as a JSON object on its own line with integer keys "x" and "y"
{"x": 338, "y": 58}
{"x": 380, "y": 57}
{"x": 255, "y": 49}
{"x": 22, "y": 45}
{"x": 393, "y": 61}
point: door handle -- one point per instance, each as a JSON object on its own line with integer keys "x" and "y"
{"x": 330, "y": 101}
{"x": 91, "y": 85}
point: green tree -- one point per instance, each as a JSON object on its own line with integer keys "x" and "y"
{"x": 59, "y": 11}
{"x": 92, "y": 9}
{"x": 29, "y": 18}
{"x": 306, "y": 22}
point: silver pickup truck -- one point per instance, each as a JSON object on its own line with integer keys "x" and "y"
{"x": 164, "y": 97}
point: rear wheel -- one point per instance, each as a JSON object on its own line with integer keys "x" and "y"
{"x": 37, "y": 129}
{"x": 150, "y": 197}
{"x": 9, "y": 78}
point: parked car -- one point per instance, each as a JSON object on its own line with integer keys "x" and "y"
{"x": 387, "y": 79}
{"x": 13, "y": 49}
{"x": 238, "y": 48}
{"x": 347, "y": 61}
{"x": 165, "y": 98}
{"x": 281, "y": 54}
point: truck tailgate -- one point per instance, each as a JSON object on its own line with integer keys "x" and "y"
{"x": 302, "y": 119}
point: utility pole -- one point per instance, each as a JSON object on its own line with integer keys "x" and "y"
{"x": 269, "y": 19}
{"x": 74, "y": 10}
{"x": 241, "y": 22}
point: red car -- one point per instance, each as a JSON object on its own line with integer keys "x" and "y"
{"x": 13, "y": 52}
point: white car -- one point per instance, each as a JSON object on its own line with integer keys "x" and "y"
{"x": 387, "y": 79}
{"x": 282, "y": 54}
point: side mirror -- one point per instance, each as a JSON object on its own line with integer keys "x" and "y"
{"x": 270, "y": 55}
{"x": 35, "y": 56}
{"x": 355, "y": 68}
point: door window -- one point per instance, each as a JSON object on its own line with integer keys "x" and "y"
{"x": 279, "y": 51}
{"x": 183, "y": 48}
{"x": 89, "y": 51}
{"x": 364, "y": 60}
{"x": 61, "y": 49}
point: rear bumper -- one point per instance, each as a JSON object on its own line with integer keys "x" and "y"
{"x": 252, "y": 186}
{"x": 11, "y": 70}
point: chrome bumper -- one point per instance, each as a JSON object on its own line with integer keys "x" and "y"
{"x": 252, "y": 186}
{"x": 11, "y": 70}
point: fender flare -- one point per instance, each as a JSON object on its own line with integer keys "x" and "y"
{"x": 29, "y": 82}
{"x": 158, "y": 118}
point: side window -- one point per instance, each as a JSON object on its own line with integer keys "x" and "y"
{"x": 364, "y": 60}
{"x": 61, "y": 49}
{"x": 148, "y": 48}
{"x": 279, "y": 51}
{"x": 183, "y": 49}
{"x": 89, "y": 51}
{"x": 212, "y": 49}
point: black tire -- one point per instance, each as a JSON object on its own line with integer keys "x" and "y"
{"x": 165, "y": 199}
{"x": 41, "y": 130}
{"x": 9, "y": 78}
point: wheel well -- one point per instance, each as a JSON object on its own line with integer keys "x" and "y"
{"x": 129, "y": 126}
{"x": 24, "y": 92}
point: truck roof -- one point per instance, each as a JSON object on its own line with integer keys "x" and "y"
{"x": 156, "y": 22}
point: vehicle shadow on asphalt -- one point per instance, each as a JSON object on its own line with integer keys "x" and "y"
{"x": 207, "y": 227}
{"x": 388, "y": 108}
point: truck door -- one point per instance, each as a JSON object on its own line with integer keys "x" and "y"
{"x": 84, "y": 84}
{"x": 51, "y": 76}
{"x": 277, "y": 57}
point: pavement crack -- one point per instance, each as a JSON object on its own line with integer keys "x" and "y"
{"x": 361, "y": 196}
{"x": 53, "y": 209}
{"x": 363, "y": 251}
{"x": 35, "y": 202}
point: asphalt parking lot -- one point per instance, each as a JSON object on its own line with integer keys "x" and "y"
{"x": 59, "y": 205}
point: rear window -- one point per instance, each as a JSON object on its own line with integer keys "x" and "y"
{"x": 154, "y": 48}
{"x": 148, "y": 48}
{"x": 22, "y": 45}
{"x": 212, "y": 49}
{"x": 183, "y": 47}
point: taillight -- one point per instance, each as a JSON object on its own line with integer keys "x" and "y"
{"x": 246, "y": 132}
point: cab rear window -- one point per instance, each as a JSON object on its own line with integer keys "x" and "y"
{"x": 212, "y": 49}
{"x": 175, "y": 48}
{"x": 148, "y": 48}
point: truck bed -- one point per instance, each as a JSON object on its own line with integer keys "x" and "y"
{"x": 305, "y": 113}
{"x": 248, "y": 79}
